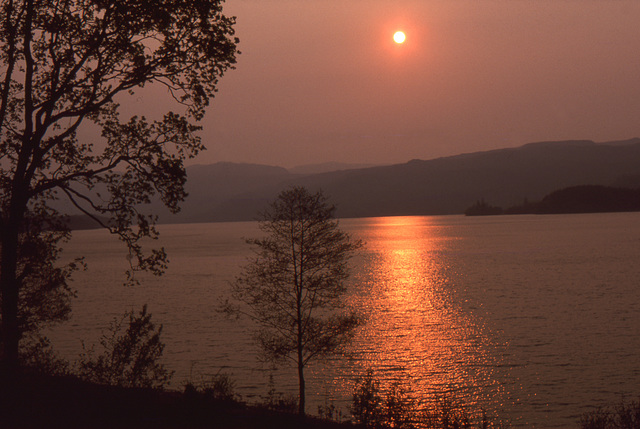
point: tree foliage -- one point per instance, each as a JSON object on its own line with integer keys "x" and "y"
{"x": 367, "y": 403}
{"x": 67, "y": 63}
{"x": 130, "y": 357}
{"x": 45, "y": 295}
{"x": 374, "y": 408}
{"x": 294, "y": 287}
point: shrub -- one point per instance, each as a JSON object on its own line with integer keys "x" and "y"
{"x": 220, "y": 387}
{"x": 329, "y": 411}
{"x": 37, "y": 356}
{"x": 626, "y": 415}
{"x": 367, "y": 402}
{"x": 130, "y": 358}
{"x": 277, "y": 400}
{"x": 396, "y": 410}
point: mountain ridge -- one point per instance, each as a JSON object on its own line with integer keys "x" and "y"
{"x": 446, "y": 185}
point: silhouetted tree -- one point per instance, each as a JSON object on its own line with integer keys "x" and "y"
{"x": 67, "y": 63}
{"x": 130, "y": 356}
{"x": 294, "y": 286}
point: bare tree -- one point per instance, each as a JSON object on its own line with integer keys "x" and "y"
{"x": 294, "y": 287}
{"x": 64, "y": 63}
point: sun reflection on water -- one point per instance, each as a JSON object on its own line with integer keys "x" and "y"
{"x": 416, "y": 333}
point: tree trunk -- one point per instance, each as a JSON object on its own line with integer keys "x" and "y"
{"x": 9, "y": 285}
{"x": 301, "y": 395}
{"x": 16, "y": 210}
{"x": 9, "y": 288}
{"x": 301, "y": 402}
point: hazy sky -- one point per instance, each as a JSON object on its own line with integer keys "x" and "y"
{"x": 322, "y": 80}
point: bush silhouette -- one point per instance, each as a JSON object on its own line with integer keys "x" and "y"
{"x": 130, "y": 358}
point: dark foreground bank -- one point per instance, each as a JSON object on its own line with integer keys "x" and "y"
{"x": 67, "y": 402}
{"x": 51, "y": 402}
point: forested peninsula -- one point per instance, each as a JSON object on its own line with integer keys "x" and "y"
{"x": 574, "y": 199}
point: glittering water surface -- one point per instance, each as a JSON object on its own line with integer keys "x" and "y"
{"x": 533, "y": 318}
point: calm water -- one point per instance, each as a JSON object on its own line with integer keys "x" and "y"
{"x": 534, "y": 318}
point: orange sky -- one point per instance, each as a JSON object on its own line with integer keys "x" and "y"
{"x": 322, "y": 80}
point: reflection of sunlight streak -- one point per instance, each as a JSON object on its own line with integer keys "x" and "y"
{"x": 416, "y": 332}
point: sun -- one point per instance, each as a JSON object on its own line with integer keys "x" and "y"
{"x": 399, "y": 37}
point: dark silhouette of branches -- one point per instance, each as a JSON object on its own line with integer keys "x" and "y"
{"x": 130, "y": 354}
{"x": 294, "y": 286}
{"x": 65, "y": 64}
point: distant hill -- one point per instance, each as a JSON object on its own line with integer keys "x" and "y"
{"x": 227, "y": 191}
{"x": 504, "y": 177}
{"x": 326, "y": 167}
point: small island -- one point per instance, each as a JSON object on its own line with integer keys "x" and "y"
{"x": 481, "y": 208}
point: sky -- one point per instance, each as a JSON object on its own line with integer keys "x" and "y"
{"x": 322, "y": 80}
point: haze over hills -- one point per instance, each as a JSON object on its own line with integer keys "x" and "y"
{"x": 505, "y": 177}
{"x": 326, "y": 167}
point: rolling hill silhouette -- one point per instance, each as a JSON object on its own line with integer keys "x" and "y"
{"x": 504, "y": 177}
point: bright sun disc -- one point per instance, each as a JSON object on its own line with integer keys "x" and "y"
{"x": 399, "y": 37}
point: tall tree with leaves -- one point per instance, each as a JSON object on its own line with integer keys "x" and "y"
{"x": 65, "y": 63}
{"x": 294, "y": 287}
